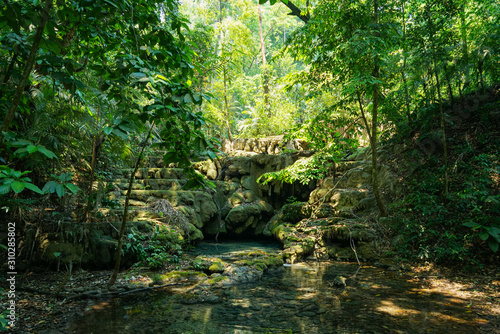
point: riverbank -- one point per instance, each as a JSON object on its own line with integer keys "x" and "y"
{"x": 440, "y": 295}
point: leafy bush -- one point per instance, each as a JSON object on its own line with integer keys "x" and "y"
{"x": 154, "y": 250}
{"x": 454, "y": 228}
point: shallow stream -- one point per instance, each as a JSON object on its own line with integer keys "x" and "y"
{"x": 301, "y": 298}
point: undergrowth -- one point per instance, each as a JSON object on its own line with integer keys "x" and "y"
{"x": 462, "y": 227}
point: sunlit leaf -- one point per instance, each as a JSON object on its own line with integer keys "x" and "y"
{"x": 31, "y": 148}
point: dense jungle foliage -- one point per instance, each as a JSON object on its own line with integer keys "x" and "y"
{"x": 89, "y": 86}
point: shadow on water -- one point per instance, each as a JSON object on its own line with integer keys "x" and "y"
{"x": 301, "y": 298}
{"x": 235, "y": 247}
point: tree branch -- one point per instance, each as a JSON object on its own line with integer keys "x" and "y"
{"x": 296, "y": 11}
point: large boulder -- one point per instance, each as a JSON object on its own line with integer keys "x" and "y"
{"x": 248, "y": 217}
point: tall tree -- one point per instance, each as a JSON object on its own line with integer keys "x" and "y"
{"x": 344, "y": 45}
{"x": 265, "y": 81}
{"x": 28, "y": 67}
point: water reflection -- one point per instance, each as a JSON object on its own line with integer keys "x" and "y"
{"x": 298, "y": 298}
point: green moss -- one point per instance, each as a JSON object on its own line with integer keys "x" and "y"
{"x": 216, "y": 280}
{"x": 263, "y": 263}
{"x": 208, "y": 264}
{"x": 216, "y": 267}
{"x": 178, "y": 274}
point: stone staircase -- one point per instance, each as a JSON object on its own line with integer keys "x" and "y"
{"x": 237, "y": 206}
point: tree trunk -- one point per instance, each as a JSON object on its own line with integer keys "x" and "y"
{"x": 27, "y": 67}
{"x": 125, "y": 212}
{"x": 226, "y": 107}
{"x": 373, "y": 137}
{"x": 92, "y": 168}
{"x": 465, "y": 47}
{"x": 443, "y": 130}
{"x": 265, "y": 79}
{"x": 403, "y": 70}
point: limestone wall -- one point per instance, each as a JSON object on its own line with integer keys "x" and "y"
{"x": 270, "y": 145}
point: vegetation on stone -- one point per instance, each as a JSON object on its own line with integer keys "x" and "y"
{"x": 346, "y": 130}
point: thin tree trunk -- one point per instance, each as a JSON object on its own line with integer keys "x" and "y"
{"x": 363, "y": 116}
{"x": 265, "y": 80}
{"x": 376, "y": 75}
{"x": 92, "y": 168}
{"x": 443, "y": 130}
{"x": 27, "y": 67}
{"x": 465, "y": 48}
{"x": 403, "y": 70}
{"x": 459, "y": 86}
{"x": 226, "y": 107}
{"x": 125, "y": 212}
{"x": 448, "y": 83}
{"x": 426, "y": 93}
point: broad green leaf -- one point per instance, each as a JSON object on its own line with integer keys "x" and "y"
{"x": 31, "y": 148}
{"x": 126, "y": 127}
{"x": 188, "y": 98}
{"x": 34, "y": 188}
{"x": 74, "y": 189}
{"x": 211, "y": 154}
{"x": 65, "y": 177}
{"x": 49, "y": 187}
{"x": 493, "y": 245}
{"x": 21, "y": 142}
{"x": 60, "y": 190}
{"x": 120, "y": 133}
{"x": 484, "y": 235}
{"x": 107, "y": 130}
{"x": 472, "y": 225}
{"x": 49, "y": 154}
{"x": 4, "y": 189}
{"x": 493, "y": 231}
{"x": 20, "y": 152}
{"x": 18, "y": 186}
{"x": 137, "y": 75}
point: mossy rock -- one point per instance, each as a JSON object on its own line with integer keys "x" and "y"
{"x": 299, "y": 251}
{"x": 216, "y": 267}
{"x": 340, "y": 253}
{"x": 236, "y": 199}
{"x": 215, "y": 280}
{"x": 295, "y": 212}
{"x": 194, "y": 233}
{"x": 177, "y": 275}
{"x": 208, "y": 264}
{"x": 263, "y": 262}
